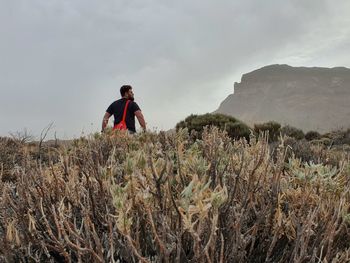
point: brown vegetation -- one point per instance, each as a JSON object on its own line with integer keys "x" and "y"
{"x": 163, "y": 198}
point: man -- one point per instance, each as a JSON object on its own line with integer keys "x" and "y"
{"x": 117, "y": 109}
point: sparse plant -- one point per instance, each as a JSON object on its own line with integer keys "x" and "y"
{"x": 22, "y": 136}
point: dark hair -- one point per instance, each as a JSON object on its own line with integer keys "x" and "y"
{"x": 124, "y": 89}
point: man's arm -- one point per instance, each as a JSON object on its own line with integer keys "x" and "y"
{"x": 105, "y": 121}
{"x": 141, "y": 119}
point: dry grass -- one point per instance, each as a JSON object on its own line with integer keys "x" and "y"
{"x": 162, "y": 198}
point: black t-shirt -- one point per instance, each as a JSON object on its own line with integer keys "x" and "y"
{"x": 117, "y": 109}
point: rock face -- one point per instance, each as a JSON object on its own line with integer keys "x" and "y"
{"x": 306, "y": 98}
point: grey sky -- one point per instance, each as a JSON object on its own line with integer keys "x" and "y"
{"x": 64, "y": 61}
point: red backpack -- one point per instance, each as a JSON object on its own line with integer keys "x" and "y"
{"x": 122, "y": 124}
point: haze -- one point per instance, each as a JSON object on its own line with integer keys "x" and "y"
{"x": 64, "y": 61}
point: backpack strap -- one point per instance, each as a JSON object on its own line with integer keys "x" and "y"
{"x": 125, "y": 109}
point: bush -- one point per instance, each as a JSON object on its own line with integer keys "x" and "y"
{"x": 292, "y": 132}
{"x": 272, "y": 127}
{"x": 300, "y": 149}
{"x": 196, "y": 123}
{"x": 323, "y": 140}
{"x": 11, "y": 155}
{"x": 312, "y": 135}
{"x": 339, "y": 137}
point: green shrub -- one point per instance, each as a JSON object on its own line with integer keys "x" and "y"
{"x": 272, "y": 127}
{"x": 196, "y": 123}
{"x": 341, "y": 137}
{"x": 312, "y": 135}
{"x": 323, "y": 141}
{"x": 338, "y": 137}
{"x": 293, "y": 132}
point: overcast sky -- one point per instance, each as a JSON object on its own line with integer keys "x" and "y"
{"x": 63, "y": 61}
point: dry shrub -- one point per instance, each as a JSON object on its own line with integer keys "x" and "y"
{"x": 159, "y": 198}
{"x": 11, "y": 157}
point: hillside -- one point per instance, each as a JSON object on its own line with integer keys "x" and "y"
{"x": 307, "y": 98}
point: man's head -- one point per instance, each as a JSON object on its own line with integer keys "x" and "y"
{"x": 126, "y": 92}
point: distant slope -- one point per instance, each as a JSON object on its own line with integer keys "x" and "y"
{"x": 307, "y": 98}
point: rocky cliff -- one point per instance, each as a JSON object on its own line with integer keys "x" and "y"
{"x": 307, "y": 98}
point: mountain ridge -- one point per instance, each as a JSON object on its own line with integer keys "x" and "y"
{"x": 309, "y": 98}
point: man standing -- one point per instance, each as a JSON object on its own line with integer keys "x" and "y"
{"x": 117, "y": 109}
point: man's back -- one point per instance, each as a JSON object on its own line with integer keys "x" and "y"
{"x": 117, "y": 109}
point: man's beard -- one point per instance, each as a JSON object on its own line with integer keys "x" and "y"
{"x": 132, "y": 98}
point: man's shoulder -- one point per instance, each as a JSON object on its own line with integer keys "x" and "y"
{"x": 112, "y": 104}
{"x": 118, "y": 102}
{"x": 121, "y": 102}
{"x": 135, "y": 105}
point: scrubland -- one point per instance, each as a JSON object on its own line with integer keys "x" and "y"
{"x": 173, "y": 197}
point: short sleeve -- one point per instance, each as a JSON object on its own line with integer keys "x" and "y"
{"x": 110, "y": 109}
{"x": 134, "y": 107}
